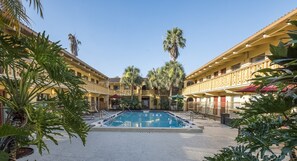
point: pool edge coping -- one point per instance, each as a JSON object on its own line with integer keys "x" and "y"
{"x": 194, "y": 128}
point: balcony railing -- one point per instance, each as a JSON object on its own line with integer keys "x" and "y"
{"x": 209, "y": 109}
{"x": 147, "y": 92}
{"x": 95, "y": 88}
{"x": 232, "y": 79}
{"x": 122, "y": 92}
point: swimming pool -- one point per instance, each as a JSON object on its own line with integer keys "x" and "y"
{"x": 146, "y": 119}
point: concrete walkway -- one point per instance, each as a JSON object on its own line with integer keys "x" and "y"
{"x": 140, "y": 146}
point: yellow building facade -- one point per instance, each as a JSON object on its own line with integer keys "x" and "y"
{"x": 149, "y": 98}
{"x": 213, "y": 88}
{"x": 96, "y": 83}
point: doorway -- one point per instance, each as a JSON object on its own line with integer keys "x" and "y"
{"x": 145, "y": 101}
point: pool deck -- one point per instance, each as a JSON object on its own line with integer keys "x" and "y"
{"x": 142, "y": 146}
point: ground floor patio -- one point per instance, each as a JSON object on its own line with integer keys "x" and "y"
{"x": 142, "y": 146}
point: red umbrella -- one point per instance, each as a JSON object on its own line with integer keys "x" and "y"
{"x": 115, "y": 96}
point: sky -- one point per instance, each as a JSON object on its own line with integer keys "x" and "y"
{"x": 115, "y": 34}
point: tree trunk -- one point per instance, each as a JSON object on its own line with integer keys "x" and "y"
{"x": 170, "y": 99}
{"x": 132, "y": 92}
{"x": 159, "y": 94}
{"x": 12, "y": 150}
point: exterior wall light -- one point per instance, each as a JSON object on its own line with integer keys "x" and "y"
{"x": 265, "y": 36}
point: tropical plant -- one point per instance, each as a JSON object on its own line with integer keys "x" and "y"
{"x": 131, "y": 104}
{"x": 12, "y": 12}
{"x": 269, "y": 120}
{"x": 33, "y": 65}
{"x": 154, "y": 81}
{"x": 164, "y": 103}
{"x": 131, "y": 77}
{"x": 173, "y": 76}
{"x": 173, "y": 41}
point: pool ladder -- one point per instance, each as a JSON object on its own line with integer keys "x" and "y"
{"x": 103, "y": 112}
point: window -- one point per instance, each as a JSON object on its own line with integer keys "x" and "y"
{"x": 97, "y": 81}
{"x": 223, "y": 71}
{"x": 78, "y": 74}
{"x": 72, "y": 71}
{"x": 85, "y": 77}
{"x": 116, "y": 88}
{"x": 208, "y": 77}
{"x": 215, "y": 74}
{"x": 258, "y": 58}
{"x": 235, "y": 67}
{"x": 126, "y": 87}
{"x": 92, "y": 80}
{"x": 201, "y": 80}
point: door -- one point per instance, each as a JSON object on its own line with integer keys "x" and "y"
{"x": 223, "y": 104}
{"x": 145, "y": 103}
{"x": 93, "y": 103}
{"x": 215, "y": 107}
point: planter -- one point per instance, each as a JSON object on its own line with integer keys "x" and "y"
{"x": 24, "y": 151}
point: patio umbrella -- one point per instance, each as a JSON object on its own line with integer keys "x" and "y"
{"x": 115, "y": 96}
{"x": 177, "y": 96}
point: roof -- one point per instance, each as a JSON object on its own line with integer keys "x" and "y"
{"x": 271, "y": 30}
{"x": 67, "y": 54}
{"x": 116, "y": 79}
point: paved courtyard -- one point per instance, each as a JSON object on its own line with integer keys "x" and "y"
{"x": 136, "y": 146}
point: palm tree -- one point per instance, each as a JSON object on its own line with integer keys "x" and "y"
{"x": 173, "y": 41}
{"x": 173, "y": 76}
{"x": 131, "y": 77}
{"x": 31, "y": 66}
{"x": 154, "y": 80}
{"x": 13, "y": 12}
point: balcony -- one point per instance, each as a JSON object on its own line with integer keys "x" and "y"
{"x": 236, "y": 78}
{"x": 95, "y": 88}
{"x": 147, "y": 92}
{"x": 122, "y": 92}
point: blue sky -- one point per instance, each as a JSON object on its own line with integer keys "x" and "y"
{"x": 119, "y": 33}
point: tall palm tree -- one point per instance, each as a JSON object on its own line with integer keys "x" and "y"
{"x": 12, "y": 12}
{"x": 173, "y": 41}
{"x": 131, "y": 77}
{"x": 154, "y": 80}
{"x": 173, "y": 76}
{"x": 31, "y": 66}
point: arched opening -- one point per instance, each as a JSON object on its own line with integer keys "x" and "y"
{"x": 189, "y": 106}
{"x": 144, "y": 87}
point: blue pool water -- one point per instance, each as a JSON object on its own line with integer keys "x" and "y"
{"x": 145, "y": 119}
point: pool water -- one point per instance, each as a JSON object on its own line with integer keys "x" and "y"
{"x": 145, "y": 119}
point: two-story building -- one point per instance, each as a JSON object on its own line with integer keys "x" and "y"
{"x": 149, "y": 98}
{"x": 96, "y": 83}
{"x": 216, "y": 86}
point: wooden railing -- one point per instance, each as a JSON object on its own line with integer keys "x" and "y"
{"x": 147, "y": 92}
{"x": 122, "y": 92}
{"x": 235, "y": 78}
{"x": 95, "y": 88}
